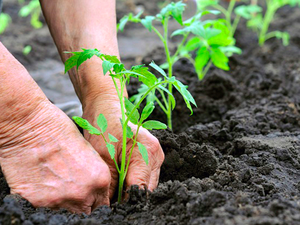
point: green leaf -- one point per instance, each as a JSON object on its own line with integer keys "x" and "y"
{"x": 27, "y": 50}
{"x": 171, "y": 96}
{"x": 72, "y": 61}
{"x": 106, "y": 66}
{"x": 246, "y": 11}
{"x": 157, "y": 68}
{"x": 129, "y": 133}
{"x": 201, "y": 60}
{"x": 87, "y": 54}
{"x": 118, "y": 67}
{"x": 144, "y": 152}
{"x": 144, "y": 75}
{"x": 112, "y": 138}
{"x": 5, "y": 19}
{"x": 141, "y": 91}
{"x": 147, "y": 22}
{"x": 177, "y": 10}
{"x": 111, "y": 58}
{"x": 153, "y": 124}
{"x": 84, "y": 124}
{"x": 148, "y": 109}
{"x": 134, "y": 118}
{"x": 193, "y": 44}
{"x": 102, "y": 122}
{"x": 219, "y": 59}
{"x": 123, "y": 22}
{"x": 111, "y": 150}
{"x": 188, "y": 98}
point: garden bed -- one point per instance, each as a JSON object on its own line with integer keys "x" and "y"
{"x": 235, "y": 161}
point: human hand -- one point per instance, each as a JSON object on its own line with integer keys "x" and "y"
{"x": 47, "y": 161}
{"x": 138, "y": 173}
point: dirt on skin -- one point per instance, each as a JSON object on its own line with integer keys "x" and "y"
{"x": 235, "y": 161}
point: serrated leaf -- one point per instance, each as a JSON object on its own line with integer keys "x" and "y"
{"x": 117, "y": 68}
{"x": 72, "y": 61}
{"x": 147, "y": 22}
{"x": 112, "y": 138}
{"x": 84, "y": 124}
{"x": 111, "y": 150}
{"x": 187, "y": 97}
{"x": 153, "y": 124}
{"x": 129, "y": 133}
{"x": 87, "y": 54}
{"x": 148, "y": 109}
{"x": 144, "y": 152}
{"x": 177, "y": 10}
{"x": 157, "y": 68}
{"x": 106, "y": 66}
{"x": 123, "y": 22}
{"x": 102, "y": 122}
{"x": 129, "y": 106}
{"x": 111, "y": 58}
{"x": 144, "y": 75}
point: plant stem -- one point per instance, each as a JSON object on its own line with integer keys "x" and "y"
{"x": 106, "y": 142}
{"x": 124, "y": 142}
{"x": 170, "y": 71}
{"x": 271, "y": 9}
{"x": 228, "y": 16}
{"x": 131, "y": 150}
{"x": 143, "y": 97}
{"x": 202, "y": 75}
{"x": 164, "y": 39}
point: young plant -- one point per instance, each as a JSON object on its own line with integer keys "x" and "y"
{"x": 260, "y": 22}
{"x": 130, "y": 112}
{"x": 5, "y": 19}
{"x": 34, "y": 10}
{"x": 204, "y": 31}
{"x": 244, "y": 11}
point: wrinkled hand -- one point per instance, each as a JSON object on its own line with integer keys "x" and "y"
{"x": 138, "y": 173}
{"x": 48, "y": 162}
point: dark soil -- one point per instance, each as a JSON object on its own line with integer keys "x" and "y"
{"x": 235, "y": 161}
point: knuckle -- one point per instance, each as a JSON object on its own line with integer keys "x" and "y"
{"x": 102, "y": 178}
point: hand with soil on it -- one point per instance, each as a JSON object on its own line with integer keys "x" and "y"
{"x": 42, "y": 154}
{"x": 145, "y": 176}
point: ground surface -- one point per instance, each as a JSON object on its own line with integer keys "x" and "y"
{"x": 235, "y": 161}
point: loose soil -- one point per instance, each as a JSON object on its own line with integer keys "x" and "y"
{"x": 235, "y": 161}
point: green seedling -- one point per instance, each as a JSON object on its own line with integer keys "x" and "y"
{"x": 130, "y": 111}
{"x": 210, "y": 35}
{"x": 34, "y": 10}
{"x": 27, "y": 50}
{"x": 260, "y": 22}
{"x": 242, "y": 11}
{"x": 5, "y": 19}
{"x": 203, "y": 5}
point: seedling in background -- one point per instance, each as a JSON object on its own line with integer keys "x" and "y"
{"x": 212, "y": 44}
{"x": 130, "y": 112}
{"x": 245, "y": 11}
{"x": 260, "y": 22}
{"x": 5, "y": 19}
{"x": 34, "y": 10}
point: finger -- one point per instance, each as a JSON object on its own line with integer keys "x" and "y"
{"x": 114, "y": 174}
{"x": 138, "y": 172}
{"x": 154, "y": 178}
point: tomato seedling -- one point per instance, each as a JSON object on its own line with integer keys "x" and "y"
{"x": 213, "y": 45}
{"x": 33, "y": 8}
{"x": 130, "y": 111}
{"x": 260, "y": 22}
